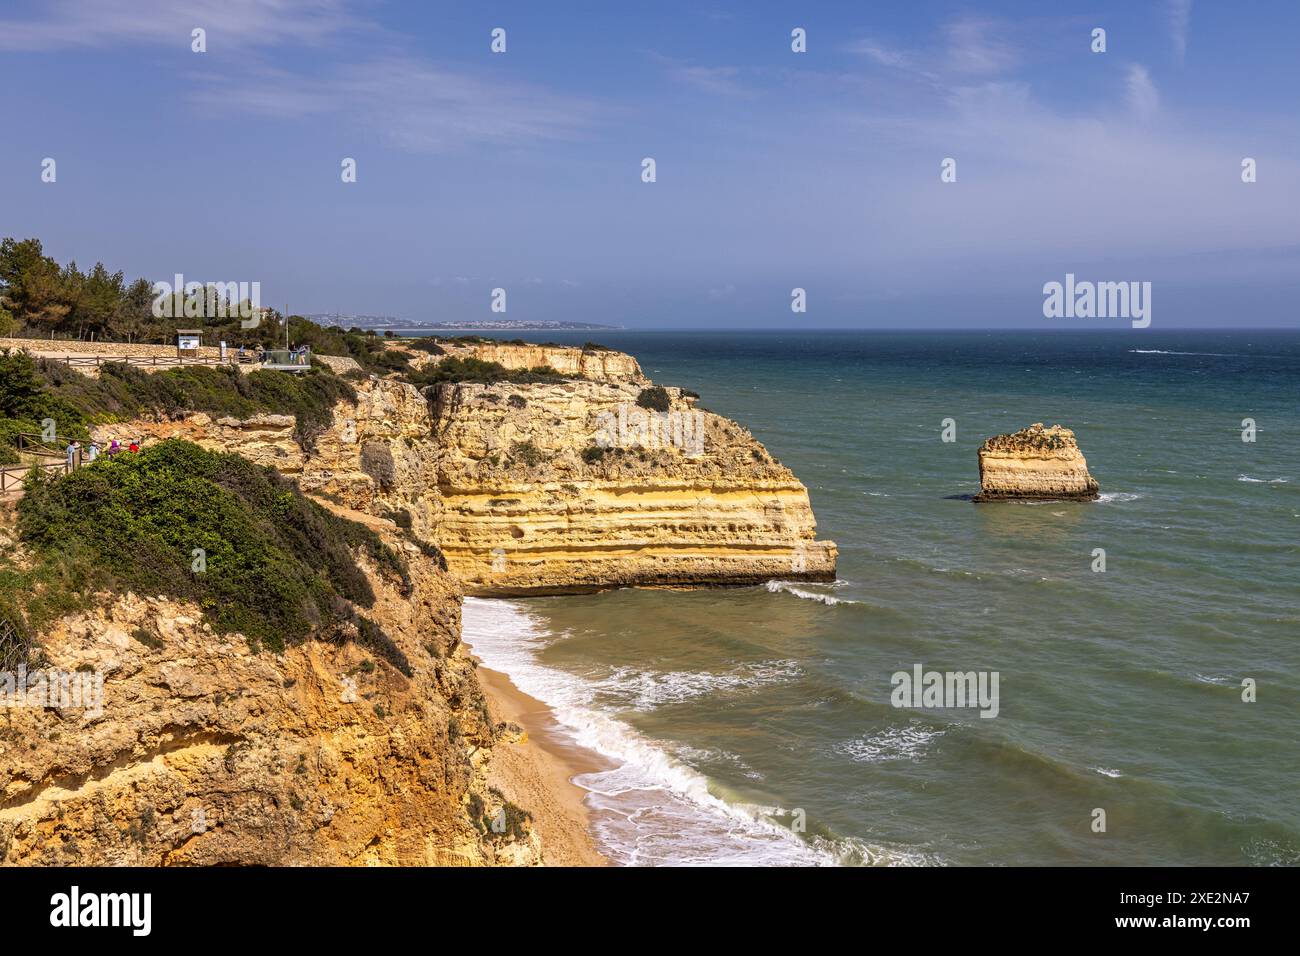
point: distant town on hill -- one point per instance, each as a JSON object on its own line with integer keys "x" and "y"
{"x": 481, "y": 325}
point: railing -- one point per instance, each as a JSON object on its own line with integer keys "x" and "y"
{"x": 95, "y": 361}
{"x": 34, "y": 444}
{"x": 274, "y": 359}
{"x": 13, "y": 477}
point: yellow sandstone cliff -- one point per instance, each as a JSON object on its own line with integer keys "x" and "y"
{"x": 211, "y": 753}
{"x": 552, "y": 487}
{"x": 208, "y": 753}
{"x": 1034, "y": 463}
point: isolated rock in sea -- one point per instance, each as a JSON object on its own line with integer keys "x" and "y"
{"x": 1034, "y": 463}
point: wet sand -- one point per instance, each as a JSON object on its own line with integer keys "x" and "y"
{"x": 537, "y": 773}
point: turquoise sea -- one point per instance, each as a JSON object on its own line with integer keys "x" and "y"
{"x": 754, "y": 725}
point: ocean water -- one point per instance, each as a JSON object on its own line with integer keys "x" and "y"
{"x": 755, "y": 725}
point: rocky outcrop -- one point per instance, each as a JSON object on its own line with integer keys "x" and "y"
{"x": 205, "y": 752}
{"x": 549, "y": 488}
{"x": 1034, "y": 463}
{"x": 598, "y": 365}
{"x": 208, "y": 753}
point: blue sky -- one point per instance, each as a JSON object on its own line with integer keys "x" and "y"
{"x": 774, "y": 169}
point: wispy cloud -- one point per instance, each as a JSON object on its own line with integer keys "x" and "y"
{"x": 410, "y": 103}
{"x": 881, "y": 53}
{"x": 711, "y": 79}
{"x": 969, "y": 48}
{"x": 1143, "y": 97}
{"x": 721, "y": 80}
{"x": 1180, "y": 19}
{"x": 979, "y": 47}
{"x": 64, "y": 24}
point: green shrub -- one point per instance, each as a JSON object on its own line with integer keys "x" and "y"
{"x": 32, "y": 391}
{"x": 15, "y": 639}
{"x": 454, "y": 368}
{"x": 428, "y": 345}
{"x": 593, "y": 453}
{"x": 655, "y": 398}
{"x": 280, "y": 569}
{"x": 528, "y": 453}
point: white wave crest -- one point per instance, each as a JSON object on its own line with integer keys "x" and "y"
{"x": 1110, "y": 496}
{"x": 786, "y": 587}
{"x": 649, "y": 808}
{"x": 647, "y": 690}
{"x": 909, "y": 742}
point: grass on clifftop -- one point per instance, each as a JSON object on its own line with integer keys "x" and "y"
{"x": 458, "y": 369}
{"x": 32, "y": 390}
{"x": 279, "y": 568}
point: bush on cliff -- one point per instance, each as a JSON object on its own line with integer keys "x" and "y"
{"x": 427, "y": 345}
{"x": 654, "y": 398}
{"x": 274, "y": 565}
{"x": 26, "y": 400}
{"x": 34, "y": 390}
{"x": 469, "y": 369}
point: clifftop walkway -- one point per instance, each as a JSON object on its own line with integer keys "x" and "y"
{"x": 92, "y": 356}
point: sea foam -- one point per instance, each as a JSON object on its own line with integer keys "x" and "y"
{"x": 650, "y": 808}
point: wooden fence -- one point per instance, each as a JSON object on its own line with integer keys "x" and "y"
{"x": 159, "y": 361}
{"x": 13, "y": 477}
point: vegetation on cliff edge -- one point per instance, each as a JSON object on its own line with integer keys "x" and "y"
{"x": 457, "y": 369}
{"x": 33, "y": 390}
{"x": 276, "y": 566}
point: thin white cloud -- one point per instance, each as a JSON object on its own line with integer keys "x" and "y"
{"x": 1180, "y": 19}
{"x": 1143, "y": 97}
{"x": 64, "y": 24}
{"x": 411, "y": 104}
{"x": 979, "y": 47}
{"x": 882, "y": 54}
{"x": 718, "y": 80}
{"x": 970, "y": 48}
{"x": 721, "y": 80}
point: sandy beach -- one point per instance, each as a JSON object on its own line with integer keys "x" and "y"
{"x": 538, "y": 773}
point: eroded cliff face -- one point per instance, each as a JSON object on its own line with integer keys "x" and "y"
{"x": 597, "y": 365}
{"x": 207, "y": 753}
{"x": 556, "y": 488}
{"x": 1034, "y": 463}
{"x": 550, "y": 488}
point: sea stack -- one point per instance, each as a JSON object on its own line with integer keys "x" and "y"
{"x": 1035, "y": 464}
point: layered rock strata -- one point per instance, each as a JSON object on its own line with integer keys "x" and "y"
{"x": 597, "y": 365}
{"x": 1034, "y": 463}
{"x": 549, "y": 488}
{"x": 203, "y": 752}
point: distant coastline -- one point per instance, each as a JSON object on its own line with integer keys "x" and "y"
{"x": 381, "y": 322}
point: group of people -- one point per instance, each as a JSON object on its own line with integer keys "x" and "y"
{"x": 298, "y": 354}
{"x": 79, "y": 454}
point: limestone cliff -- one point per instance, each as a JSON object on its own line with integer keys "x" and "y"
{"x": 548, "y": 488}
{"x": 207, "y": 753}
{"x": 596, "y": 364}
{"x": 1034, "y": 463}
{"x": 560, "y": 488}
